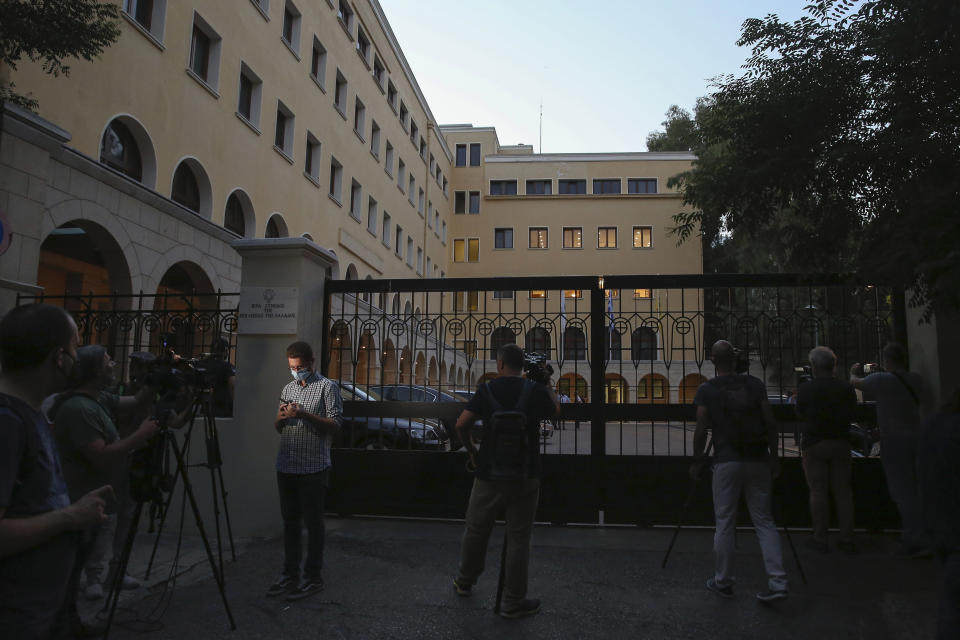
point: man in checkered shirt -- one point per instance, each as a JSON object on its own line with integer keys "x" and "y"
{"x": 310, "y": 411}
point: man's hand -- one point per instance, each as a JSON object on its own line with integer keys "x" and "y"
{"x": 88, "y": 510}
{"x": 147, "y": 428}
{"x": 695, "y": 470}
{"x": 775, "y": 466}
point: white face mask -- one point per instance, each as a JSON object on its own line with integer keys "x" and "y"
{"x": 300, "y": 376}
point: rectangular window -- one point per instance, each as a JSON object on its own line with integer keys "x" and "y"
{"x": 312, "y": 161}
{"x": 283, "y": 139}
{"x": 573, "y": 237}
{"x": 200, "y": 53}
{"x": 446, "y": 187}
{"x": 359, "y": 117}
{"x": 392, "y": 95}
{"x": 413, "y": 184}
{"x": 404, "y": 115}
{"x": 436, "y": 223}
{"x": 538, "y": 294}
{"x": 251, "y": 90}
{"x": 385, "y": 236}
{"x": 475, "y": 154}
{"x": 345, "y": 15}
{"x": 467, "y": 301}
{"x": 539, "y": 187}
{"x": 642, "y": 237}
{"x": 371, "y": 215}
{"x": 318, "y": 63}
{"x": 538, "y": 238}
{"x": 419, "y": 261}
{"x": 503, "y": 187}
{"x": 466, "y": 249}
{"x": 606, "y": 185}
{"x": 340, "y": 94}
{"x": 461, "y": 155}
{"x": 379, "y": 73}
{"x": 398, "y": 245}
{"x": 606, "y": 237}
{"x": 430, "y": 215}
{"x": 503, "y": 238}
{"x": 429, "y": 265}
{"x": 473, "y": 249}
{"x": 356, "y": 194}
{"x": 423, "y": 148}
{"x": 459, "y": 201}
{"x": 409, "y": 252}
{"x": 205, "y": 47}
{"x": 388, "y": 159}
{"x": 420, "y": 202}
{"x": 571, "y": 187}
{"x": 401, "y": 175}
{"x": 642, "y": 185}
{"x": 375, "y": 139}
{"x": 149, "y": 14}
{"x": 414, "y": 133}
{"x": 336, "y": 179}
{"x": 474, "y": 202}
{"x": 291, "y": 26}
{"x": 443, "y": 235}
{"x": 572, "y": 293}
{"x": 363, "y": 46}
{"x": 642, "y": 294}
{"x": 503, "y": 294}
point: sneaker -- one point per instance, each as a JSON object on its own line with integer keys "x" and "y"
{"x": 723, "y": 592}
{"x": 461, "y": 589}
{"x": 816, "y": 545}
{"x": 524, "y": 608}
{"x": 284, "y": 584}
{"x": 94, "y": 591}
{"x": 129, "y": 582}
{"x": 772, "y": 595}
{"x": 848, "y": 547}
{"x": 307, "y": 587}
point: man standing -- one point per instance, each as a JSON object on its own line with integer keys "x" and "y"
{"x": 898, "y": 393}
{"x": 507, "y": 475}
{"x": 735, "y": 408}
{"x": 39, "y": 528}
{"x": 827, "y": 406}
{"x": 311, "y": 410}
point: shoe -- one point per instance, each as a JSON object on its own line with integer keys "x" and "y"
{"x": 816, "y": 545}
{"x": 723, "y": 592}
{"x": 307, "y": 587}
{"x": 94, "y": 591}
{"x": 463, "y": 590}
{"x": 92, "y": 628}
{"x": 129, "y": 582}
{"x": 524, "y": 608}
{"x": 848, "y": 547}
{"x": 772, "y": 595}
{"x": 284, "y": 584}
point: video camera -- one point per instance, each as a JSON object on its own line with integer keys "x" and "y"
{"x": 803, "y": 373}
{"x": 536, "y": 367}
{"x": 742, "y": 363}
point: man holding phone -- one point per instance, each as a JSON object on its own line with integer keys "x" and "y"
{"x": 310, "y": 411}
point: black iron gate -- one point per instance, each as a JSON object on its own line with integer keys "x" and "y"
{"x": 629, "y": 352}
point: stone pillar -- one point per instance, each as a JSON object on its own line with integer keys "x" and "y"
{"x": 250, "y": 447}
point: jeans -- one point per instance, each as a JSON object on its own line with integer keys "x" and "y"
{"x": 519, "y": 498}
{"x": 898, "y": 456}
{"x": 301, "y": 503}
{"x": 827, "y": 467}
{"x": 753, "y": 479}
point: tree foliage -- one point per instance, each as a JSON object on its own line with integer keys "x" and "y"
{"x": 50, "y": 32}
{"x": 838, "y": 148}
{"x": 679, "y": 132}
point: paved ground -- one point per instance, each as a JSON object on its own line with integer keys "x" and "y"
{"x": 391, "y": 579}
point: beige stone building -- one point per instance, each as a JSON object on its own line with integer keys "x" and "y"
{"x": 209, "y": 121}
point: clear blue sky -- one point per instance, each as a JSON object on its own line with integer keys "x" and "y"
{"x": 606, "y": 70}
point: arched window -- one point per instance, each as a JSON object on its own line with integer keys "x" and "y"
{"x": 185, "y": 190}
{"x": 500, "y": 337}
{"x": 119, "y": 150}
{"x": 233, "y": 218}
{"x": 351, "y": 273}
{"x": 537, "y": 341}
{"x": 276, "y": 227}
{"x": 574, "y": 344}
{"x": 643, "y": 344}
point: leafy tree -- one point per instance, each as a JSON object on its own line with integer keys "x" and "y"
{"x": 839, "y": 147}
{"x": 50, "y": 31}
{"x": 679, "y": 134}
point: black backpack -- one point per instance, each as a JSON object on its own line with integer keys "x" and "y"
{"x": 506, "y": 437}
{"x": 741, "y": 416}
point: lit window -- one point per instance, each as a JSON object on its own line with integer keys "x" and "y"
{"x": 573, "y": 237}
{"x": 538, "y": 238}
{"x": 466, "y": 249}
{"x": 538, "y": 294}
{"x": 642, "y": 294}
{"x": 606, "y": 237}
{"x": 642, "y": 237}
{"x": 573, "y": 293}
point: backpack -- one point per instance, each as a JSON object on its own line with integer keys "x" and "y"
{"x": 506, "y": 437}
{"x": 31, "y": 450}
{"x": 741, "y": 416}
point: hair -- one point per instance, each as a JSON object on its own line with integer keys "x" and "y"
{"x": 823, "y": 358}
{"x": 300, "y": 349}
{"x": 29, "y": 334}
{"x": 894, "y": 352}
{"x": 89, "y": 365}
{"x": 723, "y": 354}
{"x": 220, "y": 346}
{"x": 511, "y": 355}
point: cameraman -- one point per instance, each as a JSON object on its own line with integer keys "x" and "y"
{"x": 93, "y": 453}
{"x": 223, "y": 377}
{"x": 518, "y": 496}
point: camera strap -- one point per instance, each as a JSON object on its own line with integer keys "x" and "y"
{"x": 903, "y": 381}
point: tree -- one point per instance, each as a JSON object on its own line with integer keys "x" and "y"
{"x": 679, "y": 134}
{"x": 839, "y": 147}
{"x": 49, "y": 32}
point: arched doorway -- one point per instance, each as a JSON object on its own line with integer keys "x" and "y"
{"x": 573, "y": 385}
{"x": 459, "y": 378}
{"x": 615, "y": 387}
{"x": 432, "y": 380}
{"x": 126, "y": 147}
{"x": 184, "y": 295}
{"x": 421, "y": 370}
{"x": 689, "y": 385}
{"x": 653, "y": 388}
{"x": 390, "y": 369}
{"x": 405, "y": 365}
{"x": 366, "y": 360}
{"x": 340, "y": 366}
{"x": 443, "y": 373}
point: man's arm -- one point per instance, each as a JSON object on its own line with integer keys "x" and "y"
{"x": 699, "y": 441}
{"x": 464, "y": 429}
{"x": 855, "y": 380}
{"x": 128, "y": 407}
{"x": 104, "y": 456}
{"x": 333, "y": 403}
{"x": 21, "y": 534}
{"x": 773, "y": 435}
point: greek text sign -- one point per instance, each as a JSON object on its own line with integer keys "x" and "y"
{"x": 268, "y": 310}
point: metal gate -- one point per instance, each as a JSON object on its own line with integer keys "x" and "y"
{"x": 629, "y": 352}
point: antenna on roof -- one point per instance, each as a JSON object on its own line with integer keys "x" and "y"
{"x": 541, "y": 124}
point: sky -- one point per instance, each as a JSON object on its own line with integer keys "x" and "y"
{"x": 606, "y": 71}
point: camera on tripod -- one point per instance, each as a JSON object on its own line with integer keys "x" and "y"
{"x": 802, "y": 373}
{"x": 536, "y": 367}
{"x": 742, "y": 363}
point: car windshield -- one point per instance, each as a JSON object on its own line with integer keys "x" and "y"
{"x": 356, "y": 392}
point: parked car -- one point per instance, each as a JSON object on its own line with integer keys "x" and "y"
{"x": 465, "y": 394}
{"x": 419, "y": 393}
{"x": 371, "y": 432}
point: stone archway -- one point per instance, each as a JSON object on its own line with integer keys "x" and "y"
{"x": 405, "y": 366}
{"x": 340, "y": 366}
{"x": 184, "y": 295}
{"x": 432, "y": 373}
{"x": 390, "y": 368}
{"x": 367, "y": 360}
{"x": 653, "y": 388}
{"x": 689, "y": 385}
{"x": 420, "y": 371}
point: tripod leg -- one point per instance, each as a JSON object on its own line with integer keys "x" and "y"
{"x": 226, "y": 514}
{"x": 683, "y": 511}
{"x": 116, "y": 585}
{"x": 165, "y": 508}
{"x": 796, "y": 556}
{"x": 503, "y": 571}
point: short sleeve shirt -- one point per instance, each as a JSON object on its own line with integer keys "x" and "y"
{"x": 710, "y": 396}
{"x": 827, "y": 407}
{"x": 305, "y": 447}
{"x": 79, "y": 421}
{"x": 507, "y": 390}
{"x": 898, "y": 413}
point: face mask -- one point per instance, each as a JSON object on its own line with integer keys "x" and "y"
{"x": 300, "y": 376}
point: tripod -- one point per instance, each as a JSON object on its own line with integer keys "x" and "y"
{"x": 166, "y": 442}
{"x": 203, "y": 405}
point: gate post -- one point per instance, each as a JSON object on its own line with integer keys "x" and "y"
{"x": 292, "y": 272}
{"x": 598, "y": 426}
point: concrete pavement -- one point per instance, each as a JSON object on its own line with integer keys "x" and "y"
{"x": 392, "y": 579}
